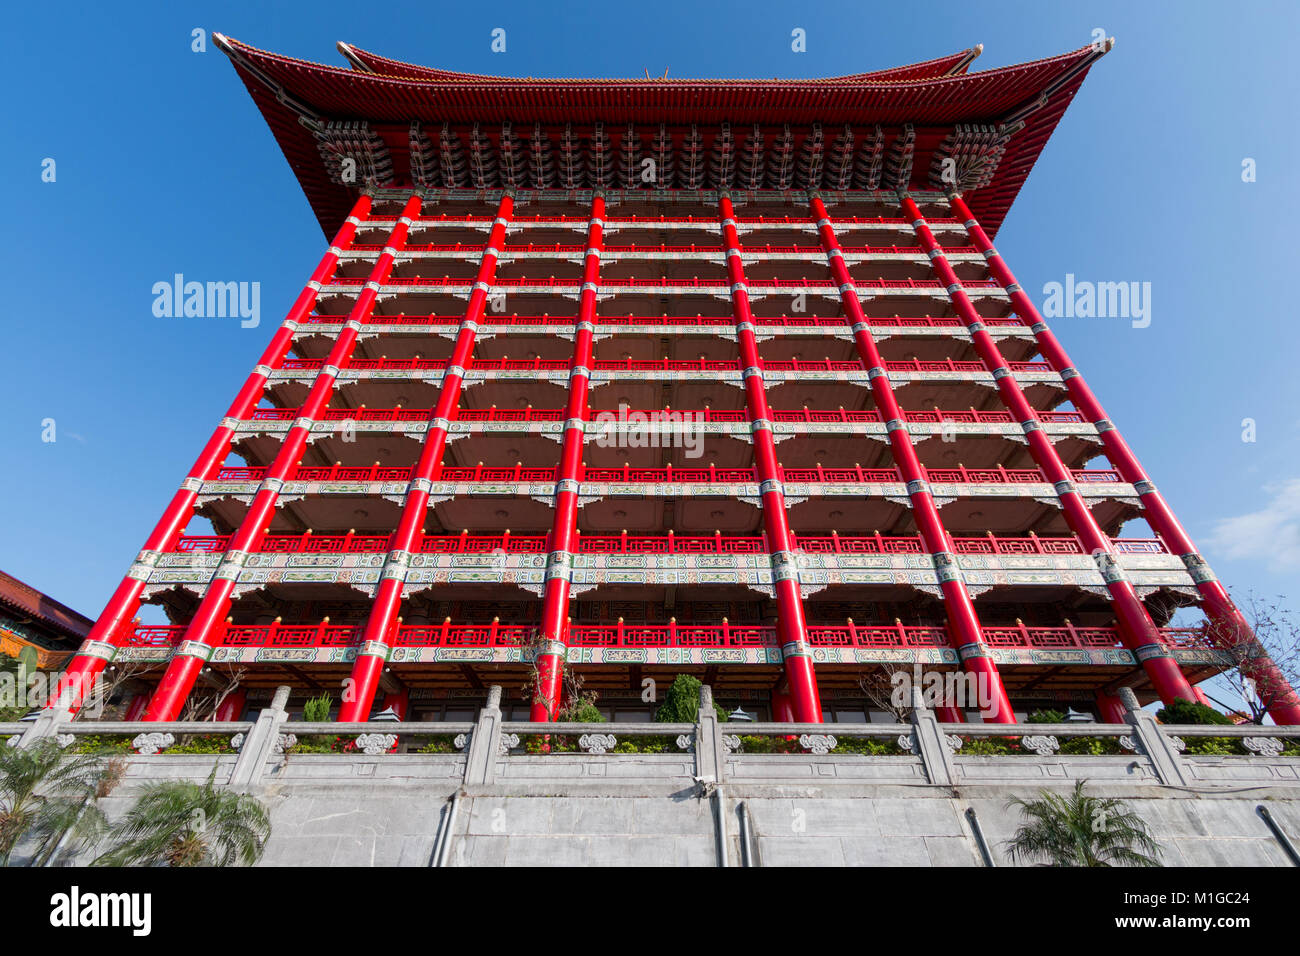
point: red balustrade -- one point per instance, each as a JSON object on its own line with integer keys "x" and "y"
{"x": 707, "y": 222}
{"x": 309, "y": 543}
{"x": 672, "y": 634}
{"x": 712, "y": 475}
{"x": 654, "y": 365}
{"x": 721, "y": 416}
{"x": 778, "y": 321}
{"x": 711, "y": 249}
{"x": 551, "y": 282}
{"x": 663, "y": 364}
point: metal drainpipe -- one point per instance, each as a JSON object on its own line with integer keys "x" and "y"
{"x": 746, "y": 849}
{"x": 1278, "y": 832}
{"x": 973, "y": 819}
{"x": 442, "y": 842}
{"x": 720, "y": 807}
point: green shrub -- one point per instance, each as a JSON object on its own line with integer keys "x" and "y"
{"x": 441, "y": 744}
{"x": 318, "y": 744}
{"x": 1190, "y": 712}
{"x": 580, "y": 710}
{"x": 988, "y": 747}
{"x": 769, "y": 745}
{"x": 870, "y": 746}
{"x": 203, "y": 744}
{"x": 101, "y": 744}
{"x": 1086, "y": 746}
{"x": 647, "y": 745}
{"x": 682, "y": 702}
{"x": 1091, "y": 746}
{"x": 317, "y": 710}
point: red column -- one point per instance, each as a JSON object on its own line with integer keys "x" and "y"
{"x": 782, "y": 708}
{"x": 114, "y": 623}
{"x": 947, "y": 714}
{"x": 399, "y": 702}
{"x": 232, "y": 706}
{"x": 1136, "y": 628}
{"x": 791, "y": 627}
{"x": 197, "y": 643}
{"x": 381, "y": 626}
{"x": 1228, "y": 625}
{"x": 559, "y": 562}
{"x": 1110, "y": 708}
{"x": 135, "y": 707}
{"x": 963, "y": 623}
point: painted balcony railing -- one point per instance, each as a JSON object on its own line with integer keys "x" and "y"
{"x": 435, "y": 282}
{"x": 518, "y": 473}
{"x": 707, "y": 415}
{"x": 670, "y": 543}
{"x": 703, "y": 221}
{"x": 779, "y": 321}
{"x": 656, "y": 365}
{"x": 475, "y": 249}
{"x": 622, "y": 634}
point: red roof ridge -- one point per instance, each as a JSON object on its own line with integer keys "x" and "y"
{"x": 298, "y": 97}
{"x": 35, "y": 603}
{"x": 365, "y": 61}
{"x": 444, "y": 78}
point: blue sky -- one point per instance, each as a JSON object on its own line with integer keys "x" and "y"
{"x": 161, "y": 156}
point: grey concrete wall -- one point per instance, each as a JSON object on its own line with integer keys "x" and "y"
{"x": 588, "y": 810}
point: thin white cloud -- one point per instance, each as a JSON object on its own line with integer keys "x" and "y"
{"x": 1271, "y": 534}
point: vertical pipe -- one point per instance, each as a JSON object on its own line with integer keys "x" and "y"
{"x": 1229, "y": 626}
{"x": 196, "y": 645}
{"x": 381, "y": 626}
{"x": 790, "y": 623}
{"x": 963, "y": 622}
{"x": 546, "y": 701}
{"x": 1136, "y": 628}
{"x": 114, "y": 621}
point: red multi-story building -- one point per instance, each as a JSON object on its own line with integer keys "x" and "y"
{"x": 636, "y": 378}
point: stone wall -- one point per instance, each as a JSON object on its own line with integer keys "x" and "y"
{"x": 710, "y": 803}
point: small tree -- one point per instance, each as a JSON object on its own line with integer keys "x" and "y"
{"x": 15, "y": 708}
{"x": 1183, "y": 711}
{"x": 682, "y": 702}
{"x": 179, "y": 823}
{"x": 1277, "y": 638}
{"x": 317, "y": 709}
{"x": 881, "y": 690}
{"x": 206, "y": 706}
{"x": 47, "y": 792}
{"x": 580, "y": 708}
{"x": 1080, "y": 830}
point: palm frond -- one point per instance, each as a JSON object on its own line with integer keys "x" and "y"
{"x": 1081, "y": 830}
{"x": 188, "y": 824}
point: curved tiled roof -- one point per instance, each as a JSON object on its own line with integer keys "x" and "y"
{"x": 24, "y": 601}
{"x": 934, "y": 95}
{"x": 364, "y": 60}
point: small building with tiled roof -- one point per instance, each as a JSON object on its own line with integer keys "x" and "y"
{"x": 31, "y": 618}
